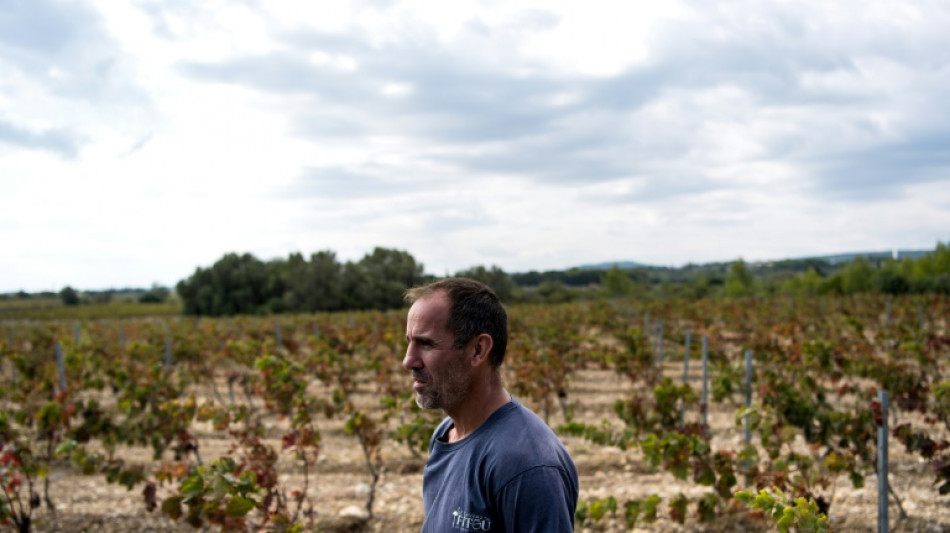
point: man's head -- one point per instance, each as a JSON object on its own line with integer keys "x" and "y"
{"x": 473, "y": 309}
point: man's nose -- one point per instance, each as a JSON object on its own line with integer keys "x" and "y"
{"x": 411, "y": 360}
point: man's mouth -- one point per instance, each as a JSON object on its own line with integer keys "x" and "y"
{"x": 419, "y": 379}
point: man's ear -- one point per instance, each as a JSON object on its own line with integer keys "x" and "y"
{"x": 481, "y": 349}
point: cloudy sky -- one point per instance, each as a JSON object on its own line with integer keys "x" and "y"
{"x": 144, "y": 138}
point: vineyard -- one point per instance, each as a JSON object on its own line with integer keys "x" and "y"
{"x": 307, "y": 423}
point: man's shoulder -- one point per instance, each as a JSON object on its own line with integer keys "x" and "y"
{"x": 513, "y": 438}
{"x": 531, "y": 465}
{"x": 522, "y": 440}
{"x": 528, "y": 422}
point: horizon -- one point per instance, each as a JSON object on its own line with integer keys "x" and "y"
{"x": 600, "y": 265}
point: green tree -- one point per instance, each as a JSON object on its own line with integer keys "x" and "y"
{"x": 812, "y": 282}
{"x": 857, "y": 276}
{"x": 616, "y": 282}
{"x": 930, "y": 273}
{"x": 555, "y": 292}
{"x": 890, "y": 279}
{"x": 157, "y": 294}
{"x": 69, "y": 296}
{"x": 739, "y": 280}
{"x": 315, "y": 285}
{"x": 235, "y": 284}
{"x": 934, "y": 264}
{"x": 700, "y": 286}
{"x": 808, "y": 283}
{"x": 495, "y": 277}
{"x": 379, "y": 279}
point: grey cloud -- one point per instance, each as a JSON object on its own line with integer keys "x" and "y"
{"x": 459, "y": 104}
{"x": 339, "y": 184}
{"x": 554, "y": 159}
{"x": 278, "y": 72}
{"x": 60, "y": 142}
{"x": 158, "y": 11}
{"x": 660, "y": 187}
{"x": 64, "y": 49}
{"x": 464, "y": 105}
{"x": 767, "y": 58}
{"x": 39, "y": 36}
{"x": 450, "y": 104}
{"x": 40, "y": 27}
{"x": 883, "y": 171}
{"x": 454, "y": 103}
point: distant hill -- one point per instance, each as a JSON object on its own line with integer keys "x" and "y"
{"x": 610, "y": 264}
{"x": 833, "y": 259}
{"x": 897, "y": 254}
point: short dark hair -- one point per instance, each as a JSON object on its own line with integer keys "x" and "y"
{"x": 474, "y": 308}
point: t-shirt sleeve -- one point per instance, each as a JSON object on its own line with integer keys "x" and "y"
{"x": 539, "y": 500}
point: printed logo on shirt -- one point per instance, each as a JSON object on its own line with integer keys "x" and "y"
{"x": 470, "y": 522}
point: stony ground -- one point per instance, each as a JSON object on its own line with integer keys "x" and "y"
{"x": 339, "y": 487}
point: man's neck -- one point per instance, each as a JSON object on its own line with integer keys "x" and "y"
{"x": 476, "y": 409}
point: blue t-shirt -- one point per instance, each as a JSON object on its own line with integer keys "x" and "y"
{"x": 511, "y": 475}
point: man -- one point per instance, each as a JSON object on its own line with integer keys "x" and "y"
{"x": 493, "y": 464}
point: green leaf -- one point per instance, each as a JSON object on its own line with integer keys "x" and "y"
{"x": 706, "y": 476}
{"x": 580, "y": 514}
{"x": 125, "y": 405}
{"x": 706, "y": 507}
{"x": 220, "y": 487}
{"x": 764, "y": 501}
{"x": 131, "y": 477}
{"x": 172, "y": 507}
{"x": 597, "y": 510}
{"x": 65, "y": 448}
{"x": 49, "y": 416}
{"x": 649, "y": 507}
{"x": 857, "y": 480}
{"x": 239, "y": 506}
{"x": 786, "y": 520}
{"x": 631, "y": 513}
{"x": 193, "y": 486}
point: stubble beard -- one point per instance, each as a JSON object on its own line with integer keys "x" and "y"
{"x": 447, "y": 389}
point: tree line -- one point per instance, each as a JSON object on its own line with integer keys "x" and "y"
{"x": 243, "y": 284}
{"x": 927, "y": 273}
